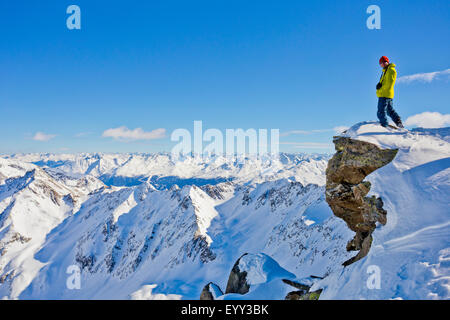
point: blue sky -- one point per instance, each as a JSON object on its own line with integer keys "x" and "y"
{"x": 293, "y": 65}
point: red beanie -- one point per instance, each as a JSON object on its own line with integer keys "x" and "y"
{"x": 384, "y": 59}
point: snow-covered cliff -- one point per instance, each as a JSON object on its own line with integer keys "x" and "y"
{"x": 141, "y": 226}
{"x": 410, "y": 254}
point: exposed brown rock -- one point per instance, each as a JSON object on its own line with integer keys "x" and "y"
{"x": 237, "y": 281}
{"x": 297, "y": 285}
{"x": 346, "y": 191}
{"x": 302, "y": 295}
{"x": 206, "y": 292}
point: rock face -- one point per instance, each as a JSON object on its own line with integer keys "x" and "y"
{"x": 210, "y": 292}
{"x": 259, "y": 276}
{"x": 346, "y": 191}
{"x": 237, "y": 281}
{"x": 302, "y": 293}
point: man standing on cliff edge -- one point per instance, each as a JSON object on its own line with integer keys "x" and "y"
{"x": 385, "y": 93}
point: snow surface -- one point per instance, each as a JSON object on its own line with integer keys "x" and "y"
{"x": 261, "y": 268}
{"x": 179, "y": 238}
{"x": 142, "y": 226}
{"x": 215, "y": 290}
{"x": 412, "y": 250}
{"x": 416, "y": 147}
{"x": 145, "y": 293}
{"x": 264, "y": 275}
{"x": 162, "y": 170}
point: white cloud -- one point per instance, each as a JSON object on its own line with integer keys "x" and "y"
{"x": 123, "y": 133}
{"x": 429, "y": 120}
{"x": 309, "y": 145}
{"x": 40, "y": 136}
{"x": 424, "y": 77}
{"x": 337, "y": 129}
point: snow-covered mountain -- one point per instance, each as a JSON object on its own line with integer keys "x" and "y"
{"x": 412, "y": 251}
{"x": 142, "y": 226}
{"x": 133, "y": 169}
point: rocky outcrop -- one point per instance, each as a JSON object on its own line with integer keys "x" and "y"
{"x": 346, "y": 190}
{"x": 302, "y": 292}
{"x": 210, "y": 292}
{"x": 237, "y": 281}
{"x": 250, "y": 271}
{"x": 302, "y": 295}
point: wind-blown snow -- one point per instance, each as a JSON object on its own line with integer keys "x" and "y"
{"x": 144, "y": 227}
{"x": 133, "y": 169}
{"x": 261, "y": 268}
{"x": 412, "y": 250}
{"x": 416, "y": 147}
{"x": 145, "y": 293}
{"x": 124, "y": 238}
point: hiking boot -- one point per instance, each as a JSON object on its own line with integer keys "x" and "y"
{"x": 399, "y": 124}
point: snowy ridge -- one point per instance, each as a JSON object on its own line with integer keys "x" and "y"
{"x": 32, "y": 203}
{"x": 412, "y": 250}
{"x": 143, "y": 227}
{"x": 133, "y": 169}
{"x": 416, "y": 147}
{"x": 172, "y": 239}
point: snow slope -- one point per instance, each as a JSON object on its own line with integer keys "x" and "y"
{"x": 133, "y": 169}
{"x": 412, "y": 250}
{"x": 180, "y": 239}
{"x": 32, "y": 203}
{"x": 148, "y": 241}
{"x": 162, "y": 230}
{"x": 264, "y": 275}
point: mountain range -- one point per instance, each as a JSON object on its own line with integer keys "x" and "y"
{"x": 141, "y": 226}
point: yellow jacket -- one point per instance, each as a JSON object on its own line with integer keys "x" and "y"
{"x": 388, "y": 78}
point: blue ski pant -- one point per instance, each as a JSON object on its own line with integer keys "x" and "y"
{"x": 387, "y": 105}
